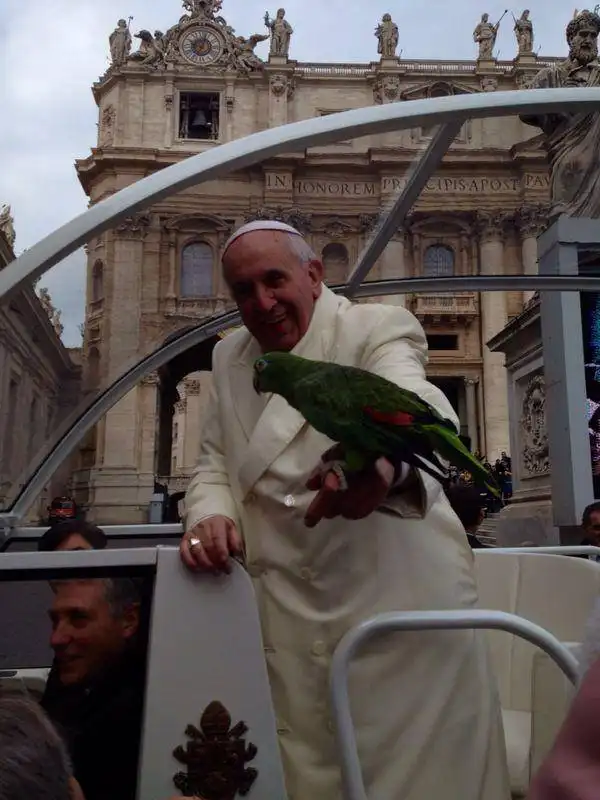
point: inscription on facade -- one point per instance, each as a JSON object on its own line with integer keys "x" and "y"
{"x": 474, "y": 185}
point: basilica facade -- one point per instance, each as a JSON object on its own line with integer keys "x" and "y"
{"x": 199, "y": 85}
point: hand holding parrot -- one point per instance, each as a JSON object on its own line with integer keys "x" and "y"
{"x": 371, "y": 418}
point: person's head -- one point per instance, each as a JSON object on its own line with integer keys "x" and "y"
{"x": 94, "y": 622}
{"x": 468, "y": 504}
{"x": 275, "y": 280}
{"x": 34, "y": 764}
{"x": 590, "y": 522}
{"x": 582, "y": 37}
{"x": 485, "y": 17}
{"x": 72, "y": 534}
{"x": 525, "y": 14}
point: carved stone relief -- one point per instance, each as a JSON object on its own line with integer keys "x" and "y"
{"x": 107, "y": 126}
{"x": 535, "y": 451}
{"x": 281, "y": 84}
{"x": 134, "y": 227}
{"x": 386, "y": 87}
{"x": 488, "y": 84}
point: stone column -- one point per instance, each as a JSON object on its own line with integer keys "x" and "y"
{"x": 471, "y": 398}
{"x": 392, "y": 266}
{"x": 531, "y": 221}
{"x": 171, "y": 299}
{"x": 493, "y": 319}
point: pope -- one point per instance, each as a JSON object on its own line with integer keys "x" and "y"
{"x": 323, "y": 558}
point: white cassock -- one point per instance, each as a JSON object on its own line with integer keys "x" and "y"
{"x": 424, "y": 705}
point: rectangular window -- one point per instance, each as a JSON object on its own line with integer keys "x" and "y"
{"x": 199, "y": 115}
{"x": 442, "y": 341}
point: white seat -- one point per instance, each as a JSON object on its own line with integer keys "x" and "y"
{"x": 558, "y": 593}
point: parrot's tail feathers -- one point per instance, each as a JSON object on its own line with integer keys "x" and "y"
{"x": 439, "y": 474}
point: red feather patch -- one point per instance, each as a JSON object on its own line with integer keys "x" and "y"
{"x": 400, "y": 418}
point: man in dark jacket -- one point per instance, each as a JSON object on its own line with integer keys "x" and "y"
{"x": 468, "y": 504}
{"x": 590, "y": 524}
{"x": 95, "y": 694}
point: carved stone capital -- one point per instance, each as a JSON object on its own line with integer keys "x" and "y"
{"x": 151, "y": 380}
{"x": 192, "y": 388}
{"x": 281, "y": 84}
{"x": 491, "y": 225}
{"x": 532, "y": 220}
{"x": 135, "y": 227}
{"x": 471, "y": 381}
{"x": 368, "y": 222}
{"x": 386, "y": 88}
{"x": 291, "y": 216}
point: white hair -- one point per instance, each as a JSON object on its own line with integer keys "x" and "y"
{"x": 301, "y": 249}
{"x": 33, "y": 758}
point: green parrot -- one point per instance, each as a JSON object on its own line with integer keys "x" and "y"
{"x": 369, "y": 416}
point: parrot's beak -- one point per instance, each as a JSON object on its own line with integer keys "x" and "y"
{"x": 256, "y": 384}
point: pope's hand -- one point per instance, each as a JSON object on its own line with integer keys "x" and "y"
{"x": 210, "y": 544}
{"x": 366, "y": 490}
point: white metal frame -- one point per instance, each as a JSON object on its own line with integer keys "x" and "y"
{"x": 354, "y": 788}
{"x": 449, "y": 113}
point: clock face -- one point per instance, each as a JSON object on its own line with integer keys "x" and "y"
{"x": 202, "y": 46}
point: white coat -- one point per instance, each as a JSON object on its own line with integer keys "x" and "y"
{"x": 424, "y": 704}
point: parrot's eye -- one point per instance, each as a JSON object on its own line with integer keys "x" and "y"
{"x": 260, "y": 365}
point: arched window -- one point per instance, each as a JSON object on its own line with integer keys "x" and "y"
{"x": 335, "y": 263}
{"x": 197, "y": 270}
{"x": 438, "y": 261}
{"x": 97, "y": 281}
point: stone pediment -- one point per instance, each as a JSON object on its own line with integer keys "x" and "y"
{"x": 436, "y": 89}
{"x": 198, "y": 223}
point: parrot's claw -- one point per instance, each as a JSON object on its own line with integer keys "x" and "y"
{"x": 337, "y": 467}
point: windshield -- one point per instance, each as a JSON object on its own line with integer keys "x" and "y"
{"x": 108, "y": 354}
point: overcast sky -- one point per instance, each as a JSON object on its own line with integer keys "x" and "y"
{"x": 51, "y": 51}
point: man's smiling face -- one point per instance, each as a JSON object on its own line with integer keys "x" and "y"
{"x": 274, "y": 285}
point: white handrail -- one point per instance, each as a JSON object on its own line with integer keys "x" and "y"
{"x": 354, "y": 788}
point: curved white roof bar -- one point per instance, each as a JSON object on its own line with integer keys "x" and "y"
{"x": 449, "y": 112}
{"x": 216, "y": 163}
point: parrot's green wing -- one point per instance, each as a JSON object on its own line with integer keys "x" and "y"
{"x": 367, "y": 414}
